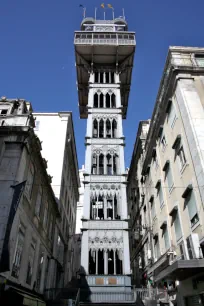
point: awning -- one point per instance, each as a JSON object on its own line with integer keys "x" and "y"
{"x": 174, "y": 210}
{"x": 166, "y": 166}
{"x": 163, "y": 225}
{"x": 176, "y": 142}
{"x": 188, "y": 189}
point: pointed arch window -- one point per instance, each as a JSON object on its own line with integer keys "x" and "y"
{"x": 108, "y": 100}
{"x": 101, "y": 164}
{"x": 113, "y": 100}
{"x": 95, "y": 128}
{"x": 101, "y": 128}
{"x": 94, "y": 164}
{"x": 108, "y": 128}
{"x": 95, "y": 100}
{"x": 114, "y": 128}
{"x": 101, "y": 100}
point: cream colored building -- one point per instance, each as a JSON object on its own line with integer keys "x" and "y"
{"x": 167, "y": 230}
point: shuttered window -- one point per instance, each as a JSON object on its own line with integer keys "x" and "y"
{"x": 166, "y": 238}
{"x": 172, "y": 116}
{"x": 190, "y": 201}
{"x": 177, "y": 226}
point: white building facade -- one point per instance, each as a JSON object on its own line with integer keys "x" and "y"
{"x": 104, "y": 56}
{"x": 56, "y": 132}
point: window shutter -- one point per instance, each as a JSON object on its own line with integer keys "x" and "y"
{"x": 171, "y": 116}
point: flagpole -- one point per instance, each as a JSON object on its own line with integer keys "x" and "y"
{"x": 104, "y": 14}
{"x": 113, "y": 14}
{"x": 123, "y": 14}
{"x": 95, "y": 12}
{"x": 84, "y": 12}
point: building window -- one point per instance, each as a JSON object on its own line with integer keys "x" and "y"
{"x": 166, "y": 238}
{"x": 18, "y": 252}
{"x": 163, "y": 142}
{"x": 30, "y": 180}
{"x": 181, "y": 157}
{"x": 190, "y": 202}
{"x": 171, "y": 115}
{"x": 168, "y": 175}
{"x": 38, "y": 201}
{"x": 3, "y": 111}
{"x": 45, "y": 218}
{"x": 179, "y": 152}
{"x": 156, "y": 249}
{"x": 30, "y": 262}
{"x": 182, "y": 252}
{"x": 51, "y": 226}
{"x": 40, "y": 268}
{"x": 200, "y": 60}
{"x": 160, "y": 193}
{"x": 177, "y": 224}
{"x": 153, "y": 212}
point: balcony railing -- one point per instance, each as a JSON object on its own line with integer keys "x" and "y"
{"x": 104, "y": 39}
{"x": 129, "y": 294}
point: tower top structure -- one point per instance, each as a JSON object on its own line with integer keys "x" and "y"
{"x": 104, "y": 45}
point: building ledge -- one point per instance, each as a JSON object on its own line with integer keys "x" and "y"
{"x": 182, "y": 269}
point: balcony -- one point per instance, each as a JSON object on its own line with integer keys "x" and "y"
{"x": 115, "y": 39}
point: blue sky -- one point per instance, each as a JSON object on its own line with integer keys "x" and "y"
{"x": 37, "y": 54}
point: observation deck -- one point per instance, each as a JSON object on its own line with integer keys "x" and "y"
{"x": 104, "y": 45}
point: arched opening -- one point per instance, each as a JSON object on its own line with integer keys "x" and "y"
{"x": 101, "y": 100}
{"x": 110, "y": 262}
{"x": 95, "y": 128}
{"x": 101, "y": 77}
{"x": 114, "y": 165}
{"x": 93, "y": 211}
{"x": 108, "y": 128}
{"x": 100, "y": 208}
{"x": 94, "y": 164}
{"x": 110, "y": 207}
{"x": 107, "y": 100}
{"x": 107, "y": 77}
{"x": 101, "y": 128}
{"x": 96, "y": 77}
{"x": 101, "y": 164}
{"x": 112, "y": 77}
{"x": 100, "y": 262}
{"x": 92, "y": 262}
{"x": 114, "y": 128}
{"x": 119, "y": 263}
{"x": 95, "y": 100}
{"x": 109, "y": 165}
{"x": 113, "y": 100}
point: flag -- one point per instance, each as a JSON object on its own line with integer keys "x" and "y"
{"x": 103, "y": 5}
{"x": 81, "y": 5}
{"x": 5, "y": 258}
{"x": 110, "y": 6}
